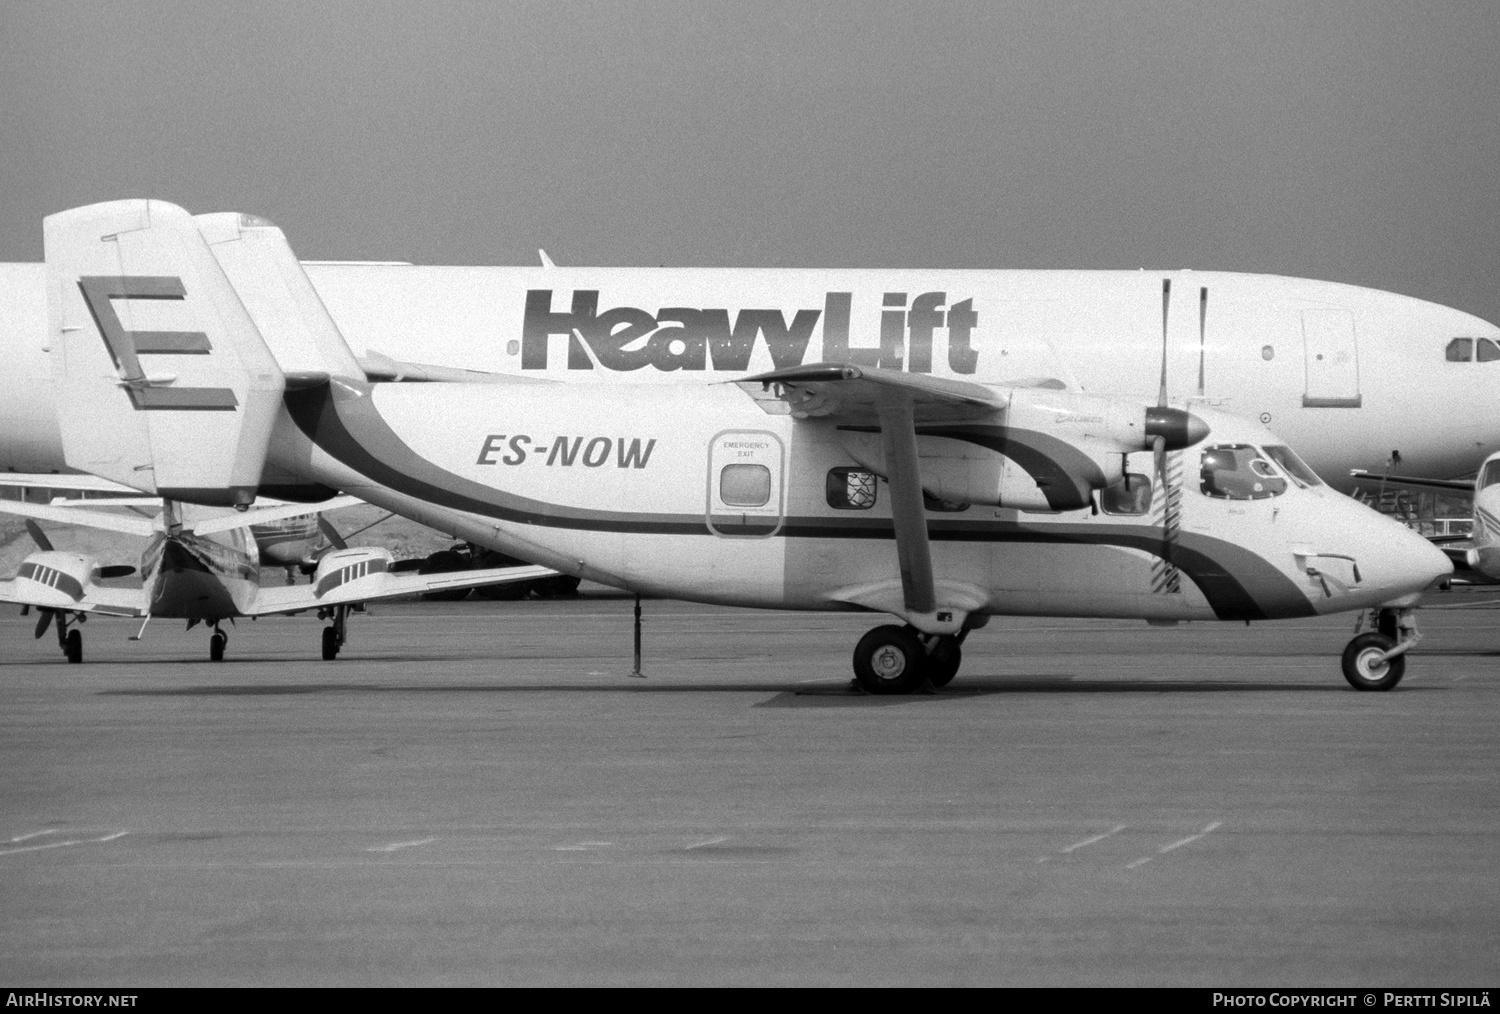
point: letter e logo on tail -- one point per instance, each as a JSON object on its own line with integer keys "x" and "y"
{"x": 125, "y": 347}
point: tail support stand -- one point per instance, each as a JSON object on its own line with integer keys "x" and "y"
{"x": 637, "y": 670}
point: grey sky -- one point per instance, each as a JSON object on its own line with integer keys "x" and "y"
{"x": 1358, "y": 141}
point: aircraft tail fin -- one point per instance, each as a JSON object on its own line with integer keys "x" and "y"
{"x": 287, "y": 311}
{"x": 163, "y": 382}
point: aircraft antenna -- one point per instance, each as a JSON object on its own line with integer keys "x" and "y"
{"x": 1202, "y": 333}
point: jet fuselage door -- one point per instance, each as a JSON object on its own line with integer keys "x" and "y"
{"x": 1332, "y": 357}
{"x": 745, "y": 484}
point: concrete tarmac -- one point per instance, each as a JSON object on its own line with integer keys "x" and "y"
{"x": 479, "y": 794}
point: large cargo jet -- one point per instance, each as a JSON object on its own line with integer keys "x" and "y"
{"x": 1346, "y": 374}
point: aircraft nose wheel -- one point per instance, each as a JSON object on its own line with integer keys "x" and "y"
{"x": 216, "y": 645}
{"x": 73, "y": 647}
{"x": 890, "y": 660}
{"x": 1364, "y": 665}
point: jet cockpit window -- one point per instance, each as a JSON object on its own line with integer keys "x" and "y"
{"x": 1461, "y": 350}
{"x": 1488, "y": 351}
{"x": 1131, "y": 495}
{"x": 851, "y": 489}
{"x": 1292, "y": 465}
{"x": 745, "y": 485}
{"x": 1239, "y": 472}
{"x": 1491, "y": 474}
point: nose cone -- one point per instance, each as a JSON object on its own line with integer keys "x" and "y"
{"x": 1408, "y": 564}
{"x": 1179, "y": 428}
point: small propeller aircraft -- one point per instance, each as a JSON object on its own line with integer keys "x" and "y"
{"x": 1481, "y": 557}
{"x": 941, "y": 502}
{"x": 203, "y": 566}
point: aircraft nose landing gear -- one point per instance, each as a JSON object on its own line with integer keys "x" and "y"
{"x": 1376, "y": 660}
{"x": 216, "y": 645}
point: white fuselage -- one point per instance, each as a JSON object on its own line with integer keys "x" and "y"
{"x": 640, "y": 487}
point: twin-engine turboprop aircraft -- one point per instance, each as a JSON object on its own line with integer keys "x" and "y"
{"x": 203, "y": 567}
{"x": 838, "y": 485}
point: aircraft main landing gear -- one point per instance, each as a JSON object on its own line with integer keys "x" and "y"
{"x": 70, "y": 641}
{"x": 1376, "y": 659}
{"x": 900, "y": 660}
{"x": 335, "y": 634}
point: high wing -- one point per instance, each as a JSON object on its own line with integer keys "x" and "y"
{"x": 857, "y": 393}
{"x": 362, "y": 582}
{"x": 1454, "y": 485}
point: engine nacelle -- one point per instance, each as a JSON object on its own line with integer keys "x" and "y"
{"x": 1046, "y": 451}
{"x": 348, "y": 566}
{"x": 56, "y": 580}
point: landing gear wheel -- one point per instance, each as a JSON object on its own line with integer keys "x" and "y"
{"x": 216, "y": 646}
{"x": 73, "y": 647}
{"x": 890, "y": 660}
{"x": 943, "y": 661}
{"x": 330, "y": 644}
{"x": 1362, "y": 665}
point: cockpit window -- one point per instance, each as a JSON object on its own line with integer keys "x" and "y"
{"x": 1292, "y": 465}
{"x": 1488, "y": 351}
{"x": 1460, "y": 350}
{"x": 1491, "y": 474}
{"x": 1239, "y": 472}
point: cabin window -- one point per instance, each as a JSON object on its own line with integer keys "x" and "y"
{"x": 1488, "y": 351}
{"x": 1460, "y": 350}
{"x": 851, "y": 489}
{"x": 1239, "y": 472}
{"x": 1131, "y": 495}
{"x": 1292, "y": 465}
{"x": 745, "y": 485}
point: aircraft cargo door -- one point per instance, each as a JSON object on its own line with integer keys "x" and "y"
{"x": 1332, "y": 359}
{"x": 745, "y": 492}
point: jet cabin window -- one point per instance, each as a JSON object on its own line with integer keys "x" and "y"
{"x": 745, "y": 485}
{"x": 1462, "y": 350}
{"x": 1132, "y": 495}
{"x": 851, "y": 489}
{"x": 1239, "y": 472}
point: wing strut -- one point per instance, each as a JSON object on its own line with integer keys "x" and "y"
{"x": 898, "y": 437}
